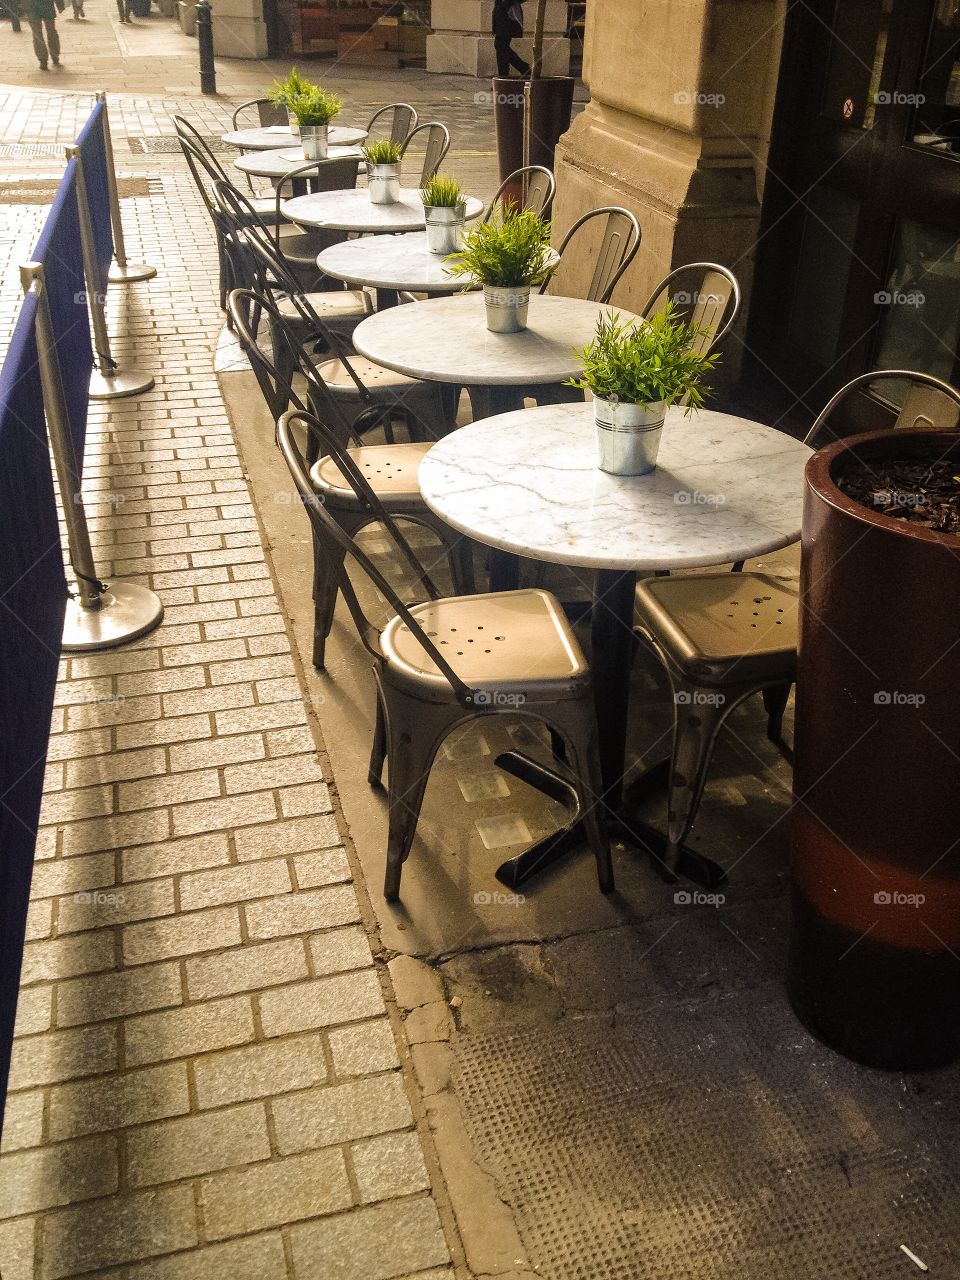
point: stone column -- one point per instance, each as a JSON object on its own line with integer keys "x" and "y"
{"x": 462, "y": 38}
{"x": 676, "y": 130}
{"x": 239, "y": 30}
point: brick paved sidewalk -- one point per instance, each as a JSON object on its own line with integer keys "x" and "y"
{"x": 206, "y": 1078}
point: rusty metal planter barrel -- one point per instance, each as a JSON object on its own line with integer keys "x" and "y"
{"x": 874, "y": 967}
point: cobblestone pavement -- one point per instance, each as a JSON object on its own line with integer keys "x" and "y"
{"x": 206, "y": 1076}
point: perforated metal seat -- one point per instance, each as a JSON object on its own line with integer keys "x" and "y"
{"x": 389, "y": 469}
{"x": 517, "y": 643}
{"x": 341, "y": 309}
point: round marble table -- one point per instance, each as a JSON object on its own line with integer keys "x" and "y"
{"x": 527, "y": 483}
{"x": 278, "y": 163}
{"x": 447, "y": 340}
{"x": 353, "y": 210}
{"x": 390, "y": 264}
{"x": 269, "y": 137}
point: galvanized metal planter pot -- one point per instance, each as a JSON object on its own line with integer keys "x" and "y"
{"x": 628, "y": 436}
{"x": 293, "y": 123}
{"x": 507, "y": 307}
{"x": 444, "y": 227}
{"x": 875, "y": 867}
{"x": 315, "y": 140}
{"x": 383, "y": 183}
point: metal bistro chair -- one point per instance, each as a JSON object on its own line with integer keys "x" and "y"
{"x": 446, "y": 661}
{"x": 618, "y": 248}
{"x": 437, "y": 144}
{"x": 402, "y": 119}
{"x": 390, "y": 469}
{"x": 197, "y": 151}
{"x": 705, "y": 295}
{"x": 537, "y": 185}
{"x": 724, "y": 636}
{"x": 267, "y": 113}
{"x": 319, "y": 175}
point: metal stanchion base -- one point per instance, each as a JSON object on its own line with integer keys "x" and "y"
{"x": 126, "y": 612}
{"x": 131, "y": 272}
{"x": 125, "y": 382}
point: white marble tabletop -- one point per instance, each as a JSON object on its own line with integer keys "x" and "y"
{"x": 275, "y": 164}
{"x": 447, "y": 340}
{"x": 390, "y": 262}
{"x": 353, "y": 210}
{"x": 528, "y": 482}
{"x": 268, "y": 137}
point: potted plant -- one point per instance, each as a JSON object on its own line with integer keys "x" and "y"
{"x": 284, "y": 91}
{"x": 313, "y": 109}
{"x": 383, "y": 171}
{"x": 875, "y": 861}
{"x": 507, "y": 255}
{"x": 634, "y": 370}
{"x": 445, "y": 214}
{"x": 530, "y": 116}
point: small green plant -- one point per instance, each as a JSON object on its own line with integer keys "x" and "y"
{"x": 442, "y": 193}
{"x": 383, "y": 152}
{"x": 645, "y": 362}
{"x": 284, "y": 91}
{"x": 509, "y": 251}
{"x": 315, "y": 106}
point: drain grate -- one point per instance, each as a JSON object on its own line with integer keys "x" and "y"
{"x": 14, "y": 150}
{"x": 170, "y": 145}
{"x": 41, "y": 190}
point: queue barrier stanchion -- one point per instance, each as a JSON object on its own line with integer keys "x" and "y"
{"x": 121, "y": 271}
{"x": 101, "y": 615}
{"x": 108, "y": 381}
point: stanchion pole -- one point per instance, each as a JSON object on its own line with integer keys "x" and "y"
{"x": 108, "y": 381}
{"x": 121, "y": 271}
{"x": 101, "y": 615}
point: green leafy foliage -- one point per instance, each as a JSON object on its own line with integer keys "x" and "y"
{"x": 284, "y": 91}
{"x": 511, "y": 250}
{"x": 644, "y": 362}
{"x": 382, "y": 152}
{"x": 442, "y": 193}
{"x": 315, "y": 106}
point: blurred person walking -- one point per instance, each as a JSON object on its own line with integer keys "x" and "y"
{"x": 42, "y": 18}
{"x": 507, "y": 27}
{"x": 11, "y": 10}
{"x": 123, "y": 9}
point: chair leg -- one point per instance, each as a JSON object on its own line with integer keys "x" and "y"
{"x": 325, "y": 587}
{"x": 775, "y": 699}
{"x": 698, "y": 719}
{"x": 579, "y": 737}
{"x": 378, "y": 749}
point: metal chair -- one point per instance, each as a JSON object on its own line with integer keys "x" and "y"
{"x": 705, "y": 295}
{"x": 318, "y": 175}
{"x": 267, "y": 113}
{"x": 538, "y": 187}
{"x": 724, "y": 636}
{"x": 197, "y": 151}
{"x": 403, "y": 120}
{"x": 390, "y": 469}
{"x": 443, "y": 663}
{"x": 437, "y": 144}
{"x": 618, "y": 248}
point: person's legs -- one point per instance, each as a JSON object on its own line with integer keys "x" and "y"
{"x": 516, "y": 61}
{"x": 39, "y": 44}
{"x": 502, "y": 48}
{"x": 53, "y": 40}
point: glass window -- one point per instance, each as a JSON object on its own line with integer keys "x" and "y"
{"x": 823, "y": 269}
{"x": 937, "y": 119}
{"x": 857, "y": 49}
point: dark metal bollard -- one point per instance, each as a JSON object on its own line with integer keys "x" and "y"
{"x": 208, "y": 72}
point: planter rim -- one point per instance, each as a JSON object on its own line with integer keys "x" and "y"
{"x": 818, "y": 477}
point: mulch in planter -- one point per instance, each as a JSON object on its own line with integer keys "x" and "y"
{"x": 922, "y": 492}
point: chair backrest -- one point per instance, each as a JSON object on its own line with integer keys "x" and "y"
{"x": 402, "y": 119}
{"x": 705, "y": 295}
{"x": 332, "y": 538}
{"x": 267, "y": 113}
{"x": 436, "y": 143}
{"x": 930, "y": 402}
{"x": 325, "y": 175}
{"x": 205, "y": 168}
{"x": 620, "y": 240}
{"x": 537, "y": 186}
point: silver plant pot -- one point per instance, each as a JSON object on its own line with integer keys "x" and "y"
{"x": 292, "y": 121}
{"x": 445, "y": 227}
{"x": 315, "y": 140}
{"x": 383, "y": 183}
{"x": 506, "y": 307}
{"x": 628, "y": 436}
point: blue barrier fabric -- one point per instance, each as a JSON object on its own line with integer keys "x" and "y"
{"x": 93, "y": 157}
{"x": 33, "y": 593}
{"x": 59, "y": 250}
